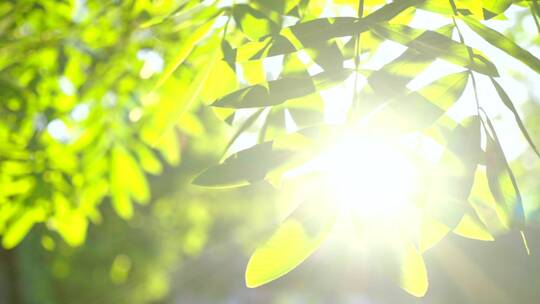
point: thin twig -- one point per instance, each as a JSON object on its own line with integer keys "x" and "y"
{"x": 471, "y": 57}
{"x": 534, "y": 8}
{"x": 354, "y": 103}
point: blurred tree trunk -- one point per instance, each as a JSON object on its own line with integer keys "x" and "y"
{"x": 29, "y": 281}
{"x": 9, "y": 292}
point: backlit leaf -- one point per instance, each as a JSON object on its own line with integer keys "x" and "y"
{"x": 508, "y": 103}
{"x": 314, "y": 32}
{"x": 414, "y": 279}
{"x": 434, "y": 44}
{"x": 502, "y": 42}
{"x": 187, "y": 47}
{"x": 472, "y": 227}
{"x": 245, "y": 167}
{"x": 278, "y": 91}
{"x": 296, "y": 238}
{"x": 502, "y": 182}
{"x": 418, "y": 110}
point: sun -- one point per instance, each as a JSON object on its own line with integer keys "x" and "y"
{"x": 373, "y": 178}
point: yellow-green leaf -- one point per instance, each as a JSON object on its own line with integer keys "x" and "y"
{"x": 70, "y": 223}
{"x": 432, "y": 231}
{"x": 504, "y": 43}
{"x": 414, "y": 279}
{"x": 183, "y": 53}
{"x": 294, "y": 241}
{"x": 471, "y": 227}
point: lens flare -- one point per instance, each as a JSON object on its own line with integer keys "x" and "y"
{"x": 373, "y": 178}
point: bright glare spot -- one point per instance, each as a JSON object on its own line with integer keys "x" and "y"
{"x": 58, "y": 130}
{"x": 80, "y": 112}
{"x": 153, "y": 63}
{"x": 387, "y": 51}
{"x": 135, "y": 114}
{"x": 290, "y": 125}
{"x": 337, "y": 100}
{"x": 273, "y": 66}
{"x": 371, "y": 178}
{"x": 427, "y": 20}
{"x": 66, "y": 86}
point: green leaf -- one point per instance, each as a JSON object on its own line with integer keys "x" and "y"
{"x": 508, "y": 103}
{"x": 328, "y": 56}
{"x": 278, "y": 91}
{"x": 306, "y": 111}
{"x": 294, "y": 241}
{"x": 221, "y": 80}
{"x": 148, "y": 160}
{"x": 431, "y": 232}
{"x": 169, "y": 147}
{"x": 131, "y": 178}
{"x": 390, "y": 81}
{"x": 463, "y": 142}
{"x": 452, "y": 179}
{"x": 229, "y": 54}
{"x": 20, "y": 225}
{"x": 314, "y": 32}
{"x": 504, "y": 43}
{"x": 122, "y": 204}
{"x": 492, "y": 8}
{"x": 127, "y": 180}
{"x": 418, "y": 110}
{"x": 185, "y": 51}
{"x": 480, "y": 9}
{"x": 472, "y": 227}
{"x": 435, "y": 44}
{"x": 243, "y": 127}
{"x": 175, "y": 100}
{"x": 444, "y": 92}
{"x": 502, "y": 182}
{"x": 264, "y": 159}
{"x": 484, "y": 205}
{"x": 274, "y": 93}
{"x": 252, "y": 22}
{"x": 414, "y": 279}
{"x": 70, "y": 223}
{"x": 274, "y": 125}
{"x": 17, "y": 231}
{"x": 253, "y": 72}
{"x": 245, "y": 167}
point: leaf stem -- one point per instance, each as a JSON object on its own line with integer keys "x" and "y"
{"x": 471, "y": 57}
{"x": 525, "y": 243}
{"x": 354, "y": 103}
{"x": 226, "y": 27}
{"x": 534, "y": 11}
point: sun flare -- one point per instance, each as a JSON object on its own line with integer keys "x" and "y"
{"x": 371, "y": 177}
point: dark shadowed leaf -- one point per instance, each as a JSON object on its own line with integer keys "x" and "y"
{"x": 502, "y": 182}
{"x": 278, "y": 91}
{"x": 508, "y": 103}
{"x": 435, "y": 44}
{"x": 245, "y": 167}
{"x": 312, "y": 33}
{"x": 243, "y": 127}
{"x": 252, "y": 22}
{"x": 420, "y": 109}
{"x": 452, "y": 180}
